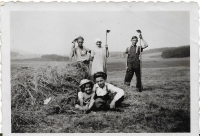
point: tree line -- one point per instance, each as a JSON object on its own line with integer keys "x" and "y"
{"x": 178, "y": 52}
{"x": 54, "y": 57}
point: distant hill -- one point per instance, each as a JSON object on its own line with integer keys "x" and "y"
{"x": 21, "y": 52}
{"x": 157, "y": 50}
{"x": 178, "y": 52}
{"x": 146, "y": 51}
{"x": 54, "y": 57}
{"x": 119, "y": 54}
{"x": 19, "y": 55}
{"x": 51, "y": 57}
{"x": 14, "y": 54}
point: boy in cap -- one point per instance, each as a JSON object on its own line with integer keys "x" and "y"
{"x": 101, "y": 99}
{"x": 133, "y": 62}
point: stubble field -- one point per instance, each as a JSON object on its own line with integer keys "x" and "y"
{"x": 163, "y": 106}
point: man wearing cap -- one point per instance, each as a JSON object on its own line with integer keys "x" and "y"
{"x": 133, "y": 62}
{"x": 80, "y": 52}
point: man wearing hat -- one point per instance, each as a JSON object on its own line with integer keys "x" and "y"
{"x": 133, "y": 62}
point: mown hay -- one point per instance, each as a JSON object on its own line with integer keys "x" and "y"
{"x": 31, "y": 86}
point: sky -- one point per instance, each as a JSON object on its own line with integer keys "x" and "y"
{"x": 52, "y": 32}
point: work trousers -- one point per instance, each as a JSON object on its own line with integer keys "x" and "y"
{"x": 133, "y": 66}
{"x": 103, "y": 102}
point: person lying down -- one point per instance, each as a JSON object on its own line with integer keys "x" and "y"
{"x": 106, "y": 96}
{"x": 103, "y": 96}
{"x": 85, "y": 94}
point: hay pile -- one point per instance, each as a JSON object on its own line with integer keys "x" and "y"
{"x": 31, "y": 86}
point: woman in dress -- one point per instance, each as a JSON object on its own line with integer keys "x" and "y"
{"x": 99, "y": 57}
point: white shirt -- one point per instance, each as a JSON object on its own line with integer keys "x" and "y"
{"x": 113, "y": 89}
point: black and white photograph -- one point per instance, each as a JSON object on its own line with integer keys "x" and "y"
{"x": 100, "y": 68}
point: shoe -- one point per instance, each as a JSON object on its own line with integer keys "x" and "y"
{"x": 127, "y": 83}
{"x": 138, "y": 89}
{"x": 117, "y": 110}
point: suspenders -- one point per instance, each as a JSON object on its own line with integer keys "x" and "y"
{"x": 104, "y": 95}
{"x": 135, "y": 51}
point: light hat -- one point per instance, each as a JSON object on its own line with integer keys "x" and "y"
{"x": 97, "y": 40}
{"x": 84, "y": 81}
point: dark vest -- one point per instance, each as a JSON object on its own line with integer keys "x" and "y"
{"x": 133, "y": 52}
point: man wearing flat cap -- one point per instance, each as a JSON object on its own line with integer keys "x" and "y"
{"x": 133, "y": 62}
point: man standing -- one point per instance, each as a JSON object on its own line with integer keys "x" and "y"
{"x": 133, "y": 62}
{"x": 80, "y": 52}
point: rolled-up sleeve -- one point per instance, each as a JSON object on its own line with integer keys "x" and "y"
{"x": 119, "y": 92}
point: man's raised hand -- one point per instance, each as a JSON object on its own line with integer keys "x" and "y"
{"x": 106, "y": 46}
{"x": 140, "y": 36}
{"x": 73, "y": 44}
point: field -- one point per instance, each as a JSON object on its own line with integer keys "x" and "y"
{"x": 163, "y": 106}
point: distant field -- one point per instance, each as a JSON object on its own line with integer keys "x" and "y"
{"x": 120, "y": 63}
{"x": 163, "y": 106}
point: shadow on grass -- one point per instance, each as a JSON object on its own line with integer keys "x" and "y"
{"x": 147, "y": 88}
{"x": 168, "y": 120}
{"x": 164, "y": 120}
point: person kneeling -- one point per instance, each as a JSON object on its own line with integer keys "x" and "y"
{"x": 84, "y": 96}
{"x": 101, "y": 98}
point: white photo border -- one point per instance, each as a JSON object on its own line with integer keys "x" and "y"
{"x": 150, "y": 6}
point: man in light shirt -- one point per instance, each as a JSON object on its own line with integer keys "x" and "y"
{"x": 101, "y": 98}
{"x": 81, "y": 53}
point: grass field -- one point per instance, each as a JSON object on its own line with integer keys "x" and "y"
{"x": 163, "y": 106}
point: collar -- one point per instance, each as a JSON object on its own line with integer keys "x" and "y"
{"x": 103, "y": 87}
{"x": 133, "y": 45}
{"x": 80, "y": 48}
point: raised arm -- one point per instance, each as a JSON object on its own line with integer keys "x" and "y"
{"x": 72, "y": 52}
{"x": 145, "y": 43}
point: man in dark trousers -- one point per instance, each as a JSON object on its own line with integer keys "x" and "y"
{"x": 133, "y": 62}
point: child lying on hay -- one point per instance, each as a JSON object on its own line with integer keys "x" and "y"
{"x": 103, "y": 97}
{"x": 84, "y": 96}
